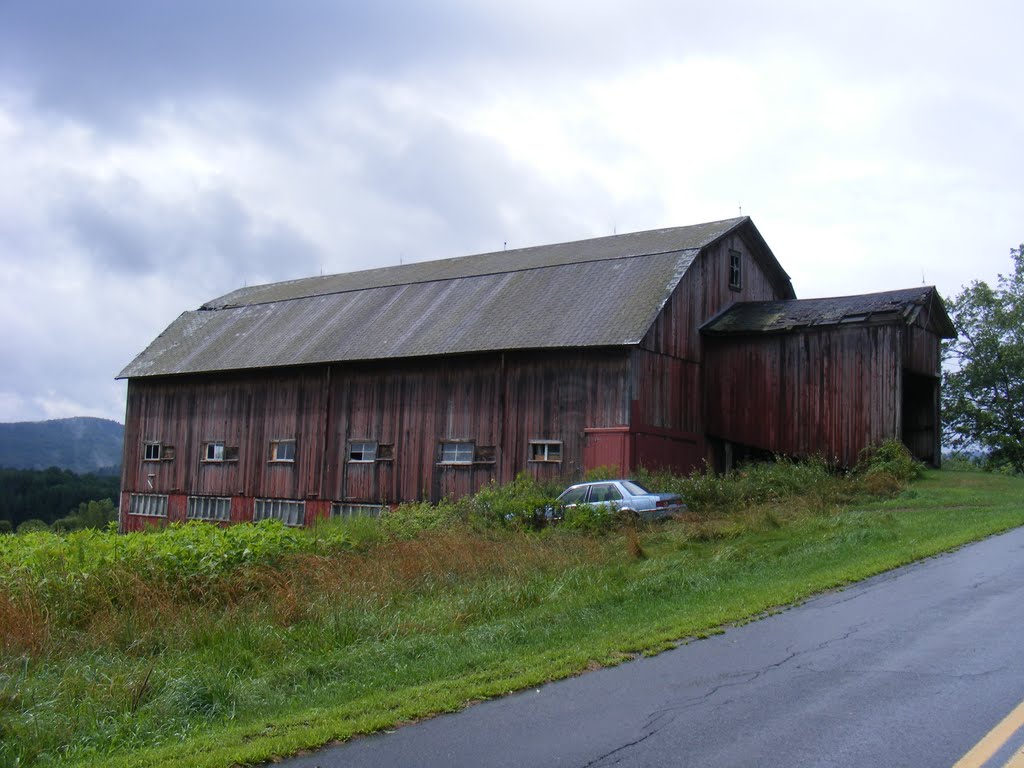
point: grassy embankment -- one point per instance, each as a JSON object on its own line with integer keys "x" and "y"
{"x": 209, "y": 647}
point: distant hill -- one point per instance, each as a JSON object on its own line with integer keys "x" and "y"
{"x": 81, "y": 444}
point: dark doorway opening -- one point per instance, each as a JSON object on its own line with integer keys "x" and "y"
{"x": 921, "y": 428}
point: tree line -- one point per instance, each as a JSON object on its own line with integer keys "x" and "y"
{"x": 57, "y": 498}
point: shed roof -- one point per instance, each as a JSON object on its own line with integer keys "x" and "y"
{"x": 904, "y": 306}
{"x": 589, "y": 293}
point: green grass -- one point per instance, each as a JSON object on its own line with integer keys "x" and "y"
{"x": 207, "y": 662}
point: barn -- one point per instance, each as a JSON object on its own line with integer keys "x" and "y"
{"x": 339, "y": 394}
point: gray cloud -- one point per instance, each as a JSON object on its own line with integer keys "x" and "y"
{"x": 108, "y": 61}
{"x": 125, "y": 231}
{"x": 159, "y": 154}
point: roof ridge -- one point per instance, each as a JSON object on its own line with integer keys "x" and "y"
{"x": 532, "y": 268}
{"x": 250, "y": 296}
{"x": 916, "y": 289}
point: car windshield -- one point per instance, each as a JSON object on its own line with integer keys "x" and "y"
{"x": 634, "y": 489}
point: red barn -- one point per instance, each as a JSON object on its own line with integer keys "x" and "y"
{"x": 338, "y": 394}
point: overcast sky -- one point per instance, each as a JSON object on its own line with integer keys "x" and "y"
{"x": 157, "y": 154}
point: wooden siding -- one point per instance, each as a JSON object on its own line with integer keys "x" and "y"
{"x": 667, "y": 411}
{"x": 500, "y": 401}
{"x": 922, "y": 351}
{"x": 244, "y": 412}
{"x": 667, "y": 392}
{"x": 704, "y": 291}
{"x": 830, "y": 392}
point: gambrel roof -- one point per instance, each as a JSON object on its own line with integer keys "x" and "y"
{"x": 602, "y": 292}
{"x": 903, "y": 306}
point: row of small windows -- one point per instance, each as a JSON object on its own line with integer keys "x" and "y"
{"x": 218, "y": 508}
{"x": 363, "y": 452}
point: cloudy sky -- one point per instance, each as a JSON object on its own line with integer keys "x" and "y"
{"x": 158, "y": 153}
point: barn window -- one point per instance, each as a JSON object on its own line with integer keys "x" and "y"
{"x": 362, "y": 451}
{"x": 288, "y": 512}
{"x": 545, "y": 450}
{"x": 148, "y": 504}
{"x": 216, "y": 452}
{"x": 152, "y": 452}
{"x": 735, "y": 273}
{"x": 209, "y": 508}
{"x": 346, "y": 510}
{"x": 282, "y": 450}
{"x": 457, "y": 452}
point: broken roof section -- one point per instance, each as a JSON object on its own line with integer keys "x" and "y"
{"x": 590, "y": 293}
{"x": 904, "y": 306}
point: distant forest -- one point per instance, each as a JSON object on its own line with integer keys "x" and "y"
{"x": 50, "y": 494}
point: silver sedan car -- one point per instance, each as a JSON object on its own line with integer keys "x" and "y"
{"x": 624, "y": 496}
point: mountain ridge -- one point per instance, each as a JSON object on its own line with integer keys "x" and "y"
{"x": 82, "y": 444}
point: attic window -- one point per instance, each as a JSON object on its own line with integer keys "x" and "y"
{"x": 735, "y": 272}
{"x": 152, "y": 452}
{"x": 282, "y": 451}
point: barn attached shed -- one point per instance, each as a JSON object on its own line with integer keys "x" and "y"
{"x": 827, "y": 376}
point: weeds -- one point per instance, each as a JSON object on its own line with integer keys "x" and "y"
{"x": 111, "y": 644}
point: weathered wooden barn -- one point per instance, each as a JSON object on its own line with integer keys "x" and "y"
{"x": 338, "y": 394}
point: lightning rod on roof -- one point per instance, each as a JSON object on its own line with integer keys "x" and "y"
{"x": 504, "y": 246}
{"x": 741, "y": 209}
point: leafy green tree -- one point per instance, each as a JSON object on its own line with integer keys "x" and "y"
{"x": 26, "y": 526}
{"x": 90, "y": 514}
{"x": 983, "y": 387}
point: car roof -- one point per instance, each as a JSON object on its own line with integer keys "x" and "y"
{"x": 602, "y": 482}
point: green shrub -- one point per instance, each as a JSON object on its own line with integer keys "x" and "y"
{"x": 589, "y": 519}
{"x": 960, "y": 462}
{"x": 520, "y": 502}
{"x": 603, "y": 472}
{"x": 90, "y": 514}
{"x": 893, "y": 457}
{"x": 411, "y": 517}
{"x": 28, "y": 526}
{"x": 763, "y": 482}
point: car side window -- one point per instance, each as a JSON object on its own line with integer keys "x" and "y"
{"x": 573, "y": 496}
{"x": 605, "y": 493}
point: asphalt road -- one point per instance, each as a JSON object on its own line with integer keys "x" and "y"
{"x": 910, "y": 668}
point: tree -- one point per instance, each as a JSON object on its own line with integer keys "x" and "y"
{"x": 90, "y": 514}
{"x": 983, "y": 387}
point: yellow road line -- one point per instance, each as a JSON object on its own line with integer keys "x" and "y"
{"x": 1017, "y": 761}
{"x": 994, "y": 741}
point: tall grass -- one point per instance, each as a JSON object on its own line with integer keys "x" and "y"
{"x": 241, "y": 642}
